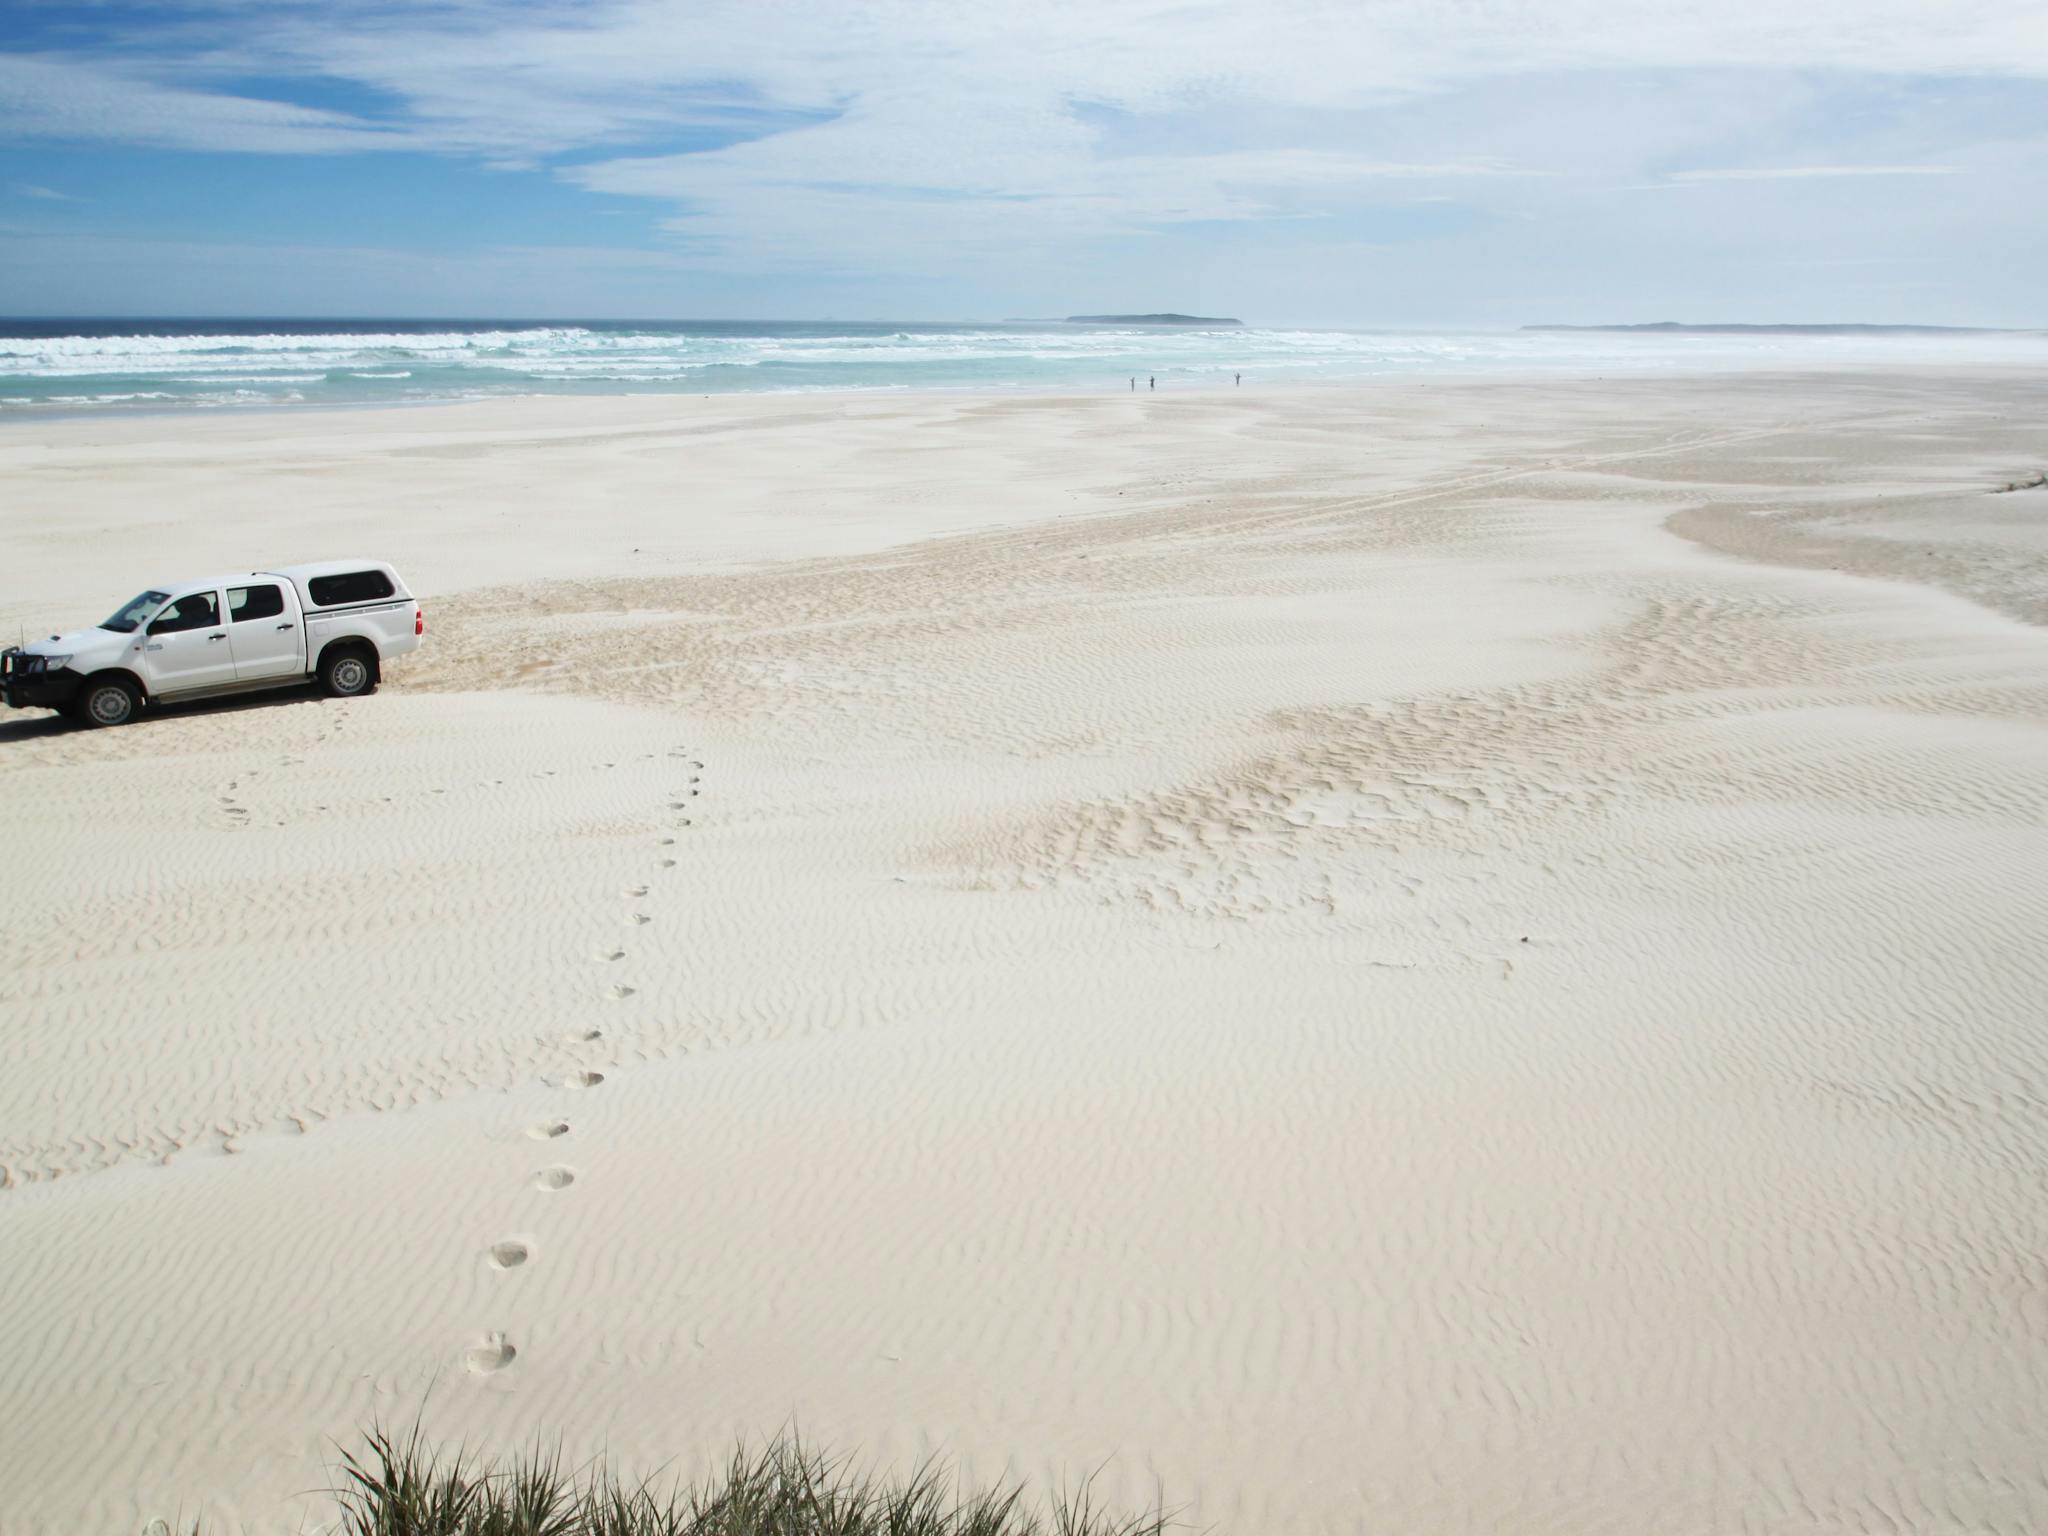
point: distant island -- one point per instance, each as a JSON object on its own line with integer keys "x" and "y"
{"x": 1151, "y": 320}
{"x": 1679, "y": 327}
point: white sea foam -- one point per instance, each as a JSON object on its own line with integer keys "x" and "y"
{"x": 217, "y": 367}
{"x": 52, "y": 348}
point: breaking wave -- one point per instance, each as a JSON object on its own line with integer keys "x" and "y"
{"x": 165, "y": 365}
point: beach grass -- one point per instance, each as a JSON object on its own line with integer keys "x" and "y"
{"x": 400, "y": 1485}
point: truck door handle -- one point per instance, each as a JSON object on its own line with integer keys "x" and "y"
{"x": 284, "y": 626}
{"x": 221, "y": 636}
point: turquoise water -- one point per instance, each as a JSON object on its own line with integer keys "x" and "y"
{"x": 72, "y": 366}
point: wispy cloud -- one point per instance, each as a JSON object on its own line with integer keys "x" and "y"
{"x": 551, "y": 77}
{"x": 929, "y": 135}
{"x": 46, "y": 96}
{"x": 42, "y": 194}
{"x": 1805, "y": 172}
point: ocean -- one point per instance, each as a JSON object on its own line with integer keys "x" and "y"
{"x": 71, "y": 366}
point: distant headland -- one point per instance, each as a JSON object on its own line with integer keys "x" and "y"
{"x": 1682, "y": 328}
{"x": 1151, "y": 320}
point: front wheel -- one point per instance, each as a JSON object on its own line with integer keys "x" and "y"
{"x": 110, "y": 701}
{"x": 347, "y": 674}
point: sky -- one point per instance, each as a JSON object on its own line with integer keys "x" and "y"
{"x": 1396, "y": 163}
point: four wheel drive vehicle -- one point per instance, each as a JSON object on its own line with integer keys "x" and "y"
{"x": 338, "y": 621}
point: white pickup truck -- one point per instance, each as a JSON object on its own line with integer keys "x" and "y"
{"x": 338, "y": 621}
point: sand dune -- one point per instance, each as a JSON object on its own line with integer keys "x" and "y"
{"x": 1449, "y": 960}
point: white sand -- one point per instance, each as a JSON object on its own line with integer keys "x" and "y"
{"x": 1308, "y": 952}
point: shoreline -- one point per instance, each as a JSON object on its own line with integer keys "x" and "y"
{"x": 1845, "y": 375}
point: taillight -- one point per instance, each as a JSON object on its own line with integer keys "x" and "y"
{"x": 419, "y": 619}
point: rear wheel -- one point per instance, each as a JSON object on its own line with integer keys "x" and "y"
{"x": 347, "y": 674}
{"x": 107, "y": 701}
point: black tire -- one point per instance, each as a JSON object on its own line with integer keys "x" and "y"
{"x": 106, "y": 701}
{"x": 348, "y": 672}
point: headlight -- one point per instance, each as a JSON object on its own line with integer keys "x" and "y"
{"x": 52, "y": 663}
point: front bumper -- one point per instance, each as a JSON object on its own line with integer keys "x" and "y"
{"x": 36, "y": 690}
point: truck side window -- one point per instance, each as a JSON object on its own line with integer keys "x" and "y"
{"x": 246, "y": 603}
{"x": 195, "y": 610}
{"x": 353, "y": 587}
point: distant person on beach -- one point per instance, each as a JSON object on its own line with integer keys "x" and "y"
{"x": 1238, "y": 377}
{"x": 1152, "y": 381}
{"x": 1134, "y": 386}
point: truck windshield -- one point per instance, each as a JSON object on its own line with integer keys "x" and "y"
{"x": 133, "y": 613}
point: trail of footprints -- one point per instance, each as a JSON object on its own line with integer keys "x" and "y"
{"x": 228, "y": 801}
{"x": 494, "y": 1349}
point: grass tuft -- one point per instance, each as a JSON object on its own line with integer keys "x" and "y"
{"x": 400, "y": 1486}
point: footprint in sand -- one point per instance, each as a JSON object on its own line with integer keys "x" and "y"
{"x": 509, "y": 1254}
{"x": 635, "y": 890}
{"x": 494, "y": 1354}
{"x": 668, "y": 863}
{"x": 548, "y": 1130}
{"x": 554, "y": 1178}
{"x": 583, "y": 1079}
{"x": 665, "y": 842}
{"x": 639, "y": 919}
{"x": 611, "y": 954}
{"x": 618, "y": 994}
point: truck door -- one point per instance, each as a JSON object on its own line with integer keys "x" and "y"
{"x": 263, "y": 632}
{"x": 187, "y": 645}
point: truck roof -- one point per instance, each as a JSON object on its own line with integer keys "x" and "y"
{"x": 232, "y": 579}
{"x": 312, "y": 568}
{"x": 299, "y": 574}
